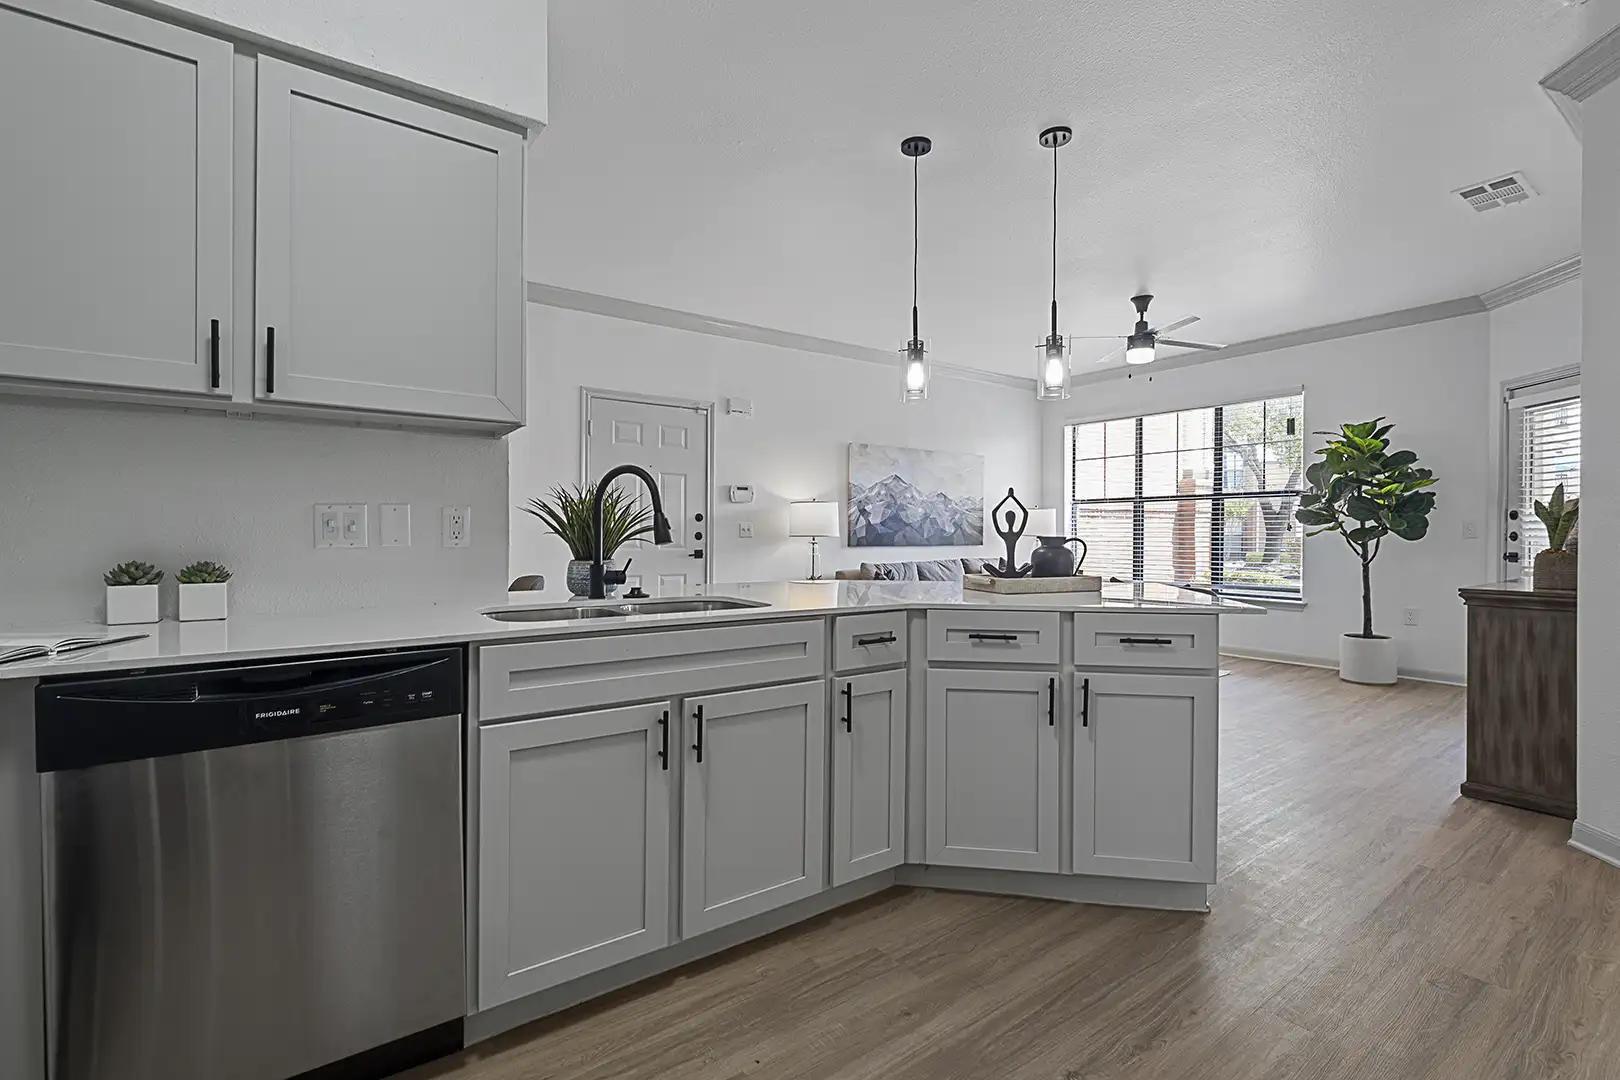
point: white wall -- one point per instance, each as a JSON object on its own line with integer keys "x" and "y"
{"x": 82, "y": 488}
{"x": 1598, "y": 696}
{"x": 1431, "y": 381}
{"x": 487, "y": 52}
{"x": 807, "y": 409}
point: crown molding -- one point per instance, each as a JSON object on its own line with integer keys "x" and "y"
{"x": 1547, "y": 277}
{"x": 1589, "y": 70}
{"x": 555, "y": 296}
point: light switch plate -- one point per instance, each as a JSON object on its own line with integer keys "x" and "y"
{"x": 457, "y": 526}
{"x": 394, "y": 524}
{"x": 340, "y": 525}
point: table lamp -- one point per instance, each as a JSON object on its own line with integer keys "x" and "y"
{"x": 813, "y": 519}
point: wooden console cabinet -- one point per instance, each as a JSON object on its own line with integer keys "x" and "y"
{"x": 1521, "y": 697}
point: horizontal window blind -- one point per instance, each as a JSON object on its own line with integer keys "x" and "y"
{"x": 1549, "y": 435}
{"x": 1202, "y": 496}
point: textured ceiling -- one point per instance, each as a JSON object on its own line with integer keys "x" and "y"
{"x": 1268, "y": 165}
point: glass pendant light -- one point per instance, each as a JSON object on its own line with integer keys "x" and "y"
{"x": 1052, "y": 355}
{"x": 914, "y": 373}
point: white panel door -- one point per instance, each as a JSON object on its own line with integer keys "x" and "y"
{"x": 992, "y": 769}
{"x": 1145, "y": 750}
{"x": 115, "y": 199}
{"x": 672, "y": 443}
{"x": 573, "y": 846}
{"x": 754, "y": 796}
{"x": 868, "y": 774}
{"x": 389, "y": 263}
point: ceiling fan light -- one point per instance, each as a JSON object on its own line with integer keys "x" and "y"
{"x": 1051, "y": 369}
{"x": 1139, "y": 349}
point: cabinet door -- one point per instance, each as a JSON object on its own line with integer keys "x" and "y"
{"x": 573, "y": 847}
{"x": 1145, "y": 749}
{"x": 868, "y": 775}
{"x": 753, "y": 798}
{"x": 992, "y": 769}
{"x": 389, "y": 252}
{"x": 115, "y": 198}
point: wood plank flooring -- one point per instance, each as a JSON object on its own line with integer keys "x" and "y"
{"x": 1369, "y": 923}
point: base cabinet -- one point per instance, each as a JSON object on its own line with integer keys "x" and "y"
{"x": 753, "y": 803}
{"x": 992, "y": 785}
{"x": 1145, "y": 750}
{"x": 868, "y": 775}
{"x": 574, "y": 847}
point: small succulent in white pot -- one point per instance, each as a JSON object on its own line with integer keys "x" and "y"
{"x": 203, "y": 591}
{"x": 132, "y": 593}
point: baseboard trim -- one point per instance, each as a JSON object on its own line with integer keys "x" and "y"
{"x": 513, "y": 1014}
{"x": 1445, "y": 678}
{"x": 1595, "y": 842}
{"x": 1074, "y": 888}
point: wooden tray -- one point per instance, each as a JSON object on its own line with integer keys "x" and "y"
{"x": 1028, "y": 585}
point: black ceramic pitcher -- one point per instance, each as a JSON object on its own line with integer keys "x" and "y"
{"x": 1054, "y": 559}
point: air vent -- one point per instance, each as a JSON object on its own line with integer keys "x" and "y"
{"x": 1494, "y": 193}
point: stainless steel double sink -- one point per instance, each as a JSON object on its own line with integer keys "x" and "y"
{"x": 619, "y": 609}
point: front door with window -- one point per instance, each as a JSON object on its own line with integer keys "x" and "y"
{"x": 671, "y": 441}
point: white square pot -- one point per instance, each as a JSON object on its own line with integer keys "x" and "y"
{"x": 128, "y": 604}
{"x": 204, "y": 601}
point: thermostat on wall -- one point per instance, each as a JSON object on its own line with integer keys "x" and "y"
{"x": 742, "y": 493}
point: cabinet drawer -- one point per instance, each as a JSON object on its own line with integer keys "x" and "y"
{"x": 869, "y": 641}
{"x": 1145, "y": 641}
{"x": 994, "y": 637}
{"x": 607, "y": 669}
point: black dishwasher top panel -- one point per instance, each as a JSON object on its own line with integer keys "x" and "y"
{"x": 81, "y": 723}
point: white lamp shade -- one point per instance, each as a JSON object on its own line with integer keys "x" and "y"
{"x": 1042, "y": 522}
{"x": 813, "y": 519}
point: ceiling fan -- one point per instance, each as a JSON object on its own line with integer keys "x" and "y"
{"x": 1140, "y": 344}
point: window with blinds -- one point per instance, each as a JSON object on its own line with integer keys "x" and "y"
{"x": 1547, "y": 436}
{"x": 1202, "y": 496}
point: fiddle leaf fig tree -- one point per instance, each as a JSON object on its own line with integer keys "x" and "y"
{"x": 1364, "y": 491}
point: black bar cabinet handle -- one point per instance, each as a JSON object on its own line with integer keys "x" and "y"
{"x": 849, "y": 708}
{"x": 1145, "y": 641}
{"x": 697, "y": 714}
{"x": 663, "y": 752}
{"x": 976, "y": 636}
{"x": 1085, "y": 703}
{"x": 1051, "y": 703}
{"x": 269, "y": 359}
{"x": 879, "y": 639}
{"x": 213, "y": 352}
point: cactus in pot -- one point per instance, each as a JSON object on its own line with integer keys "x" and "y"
{"x": 1556, "y": 566}
{"x": 202, "y": 591}
{"x": 132, "y": 593}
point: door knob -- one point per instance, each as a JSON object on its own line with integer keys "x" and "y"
{"x": 698, "y": 554}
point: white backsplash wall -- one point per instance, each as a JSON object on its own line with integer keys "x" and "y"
{"x": 82, "y": 488}
{"x": 808, "y": 408}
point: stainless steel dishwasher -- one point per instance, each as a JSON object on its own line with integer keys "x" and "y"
{"x": 252, "y": 873}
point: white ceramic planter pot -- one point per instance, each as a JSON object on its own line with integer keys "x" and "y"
{"x": 1367, "y": 660}
{"x": 203, "y": 601}
{"x": 128, "y": 604}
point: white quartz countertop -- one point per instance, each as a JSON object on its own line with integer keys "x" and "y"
{"x": 250, "y": 637}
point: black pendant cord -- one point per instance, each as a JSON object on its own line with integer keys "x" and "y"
{"x": 914, "y": 231}
{"x": 1054, "y": 238}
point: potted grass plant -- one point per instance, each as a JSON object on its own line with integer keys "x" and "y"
{"x": 1556, "y": 566}
{"x": 132, "y": 593}
{"x": 566, "y": 513}
{"x": 203, "y": 591}
{"x": 1364, "y": 491}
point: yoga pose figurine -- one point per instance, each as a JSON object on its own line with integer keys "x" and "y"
{"x": 1009, "y": 566}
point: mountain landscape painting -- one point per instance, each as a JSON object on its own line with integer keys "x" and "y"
{"x": 900, "y": 497}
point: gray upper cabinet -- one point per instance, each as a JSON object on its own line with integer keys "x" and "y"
{"x": 115, "y": 199}
{"x": 389, "y": 263}
{"x": 993, "y": 747}
{"x": 868, "y": 774}
{"x": 1145, "y": 750}
{"x": 754, "y": 800}
{"x": 574, "y": 847}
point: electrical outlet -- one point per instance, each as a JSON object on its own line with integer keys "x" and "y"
{"x": 1409, "y": 616}
{"x": 745, "y": 530}
{"x": 457, "y": 526}
{"x": 394, "y": 524}
{"x": 340, "y": 525}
